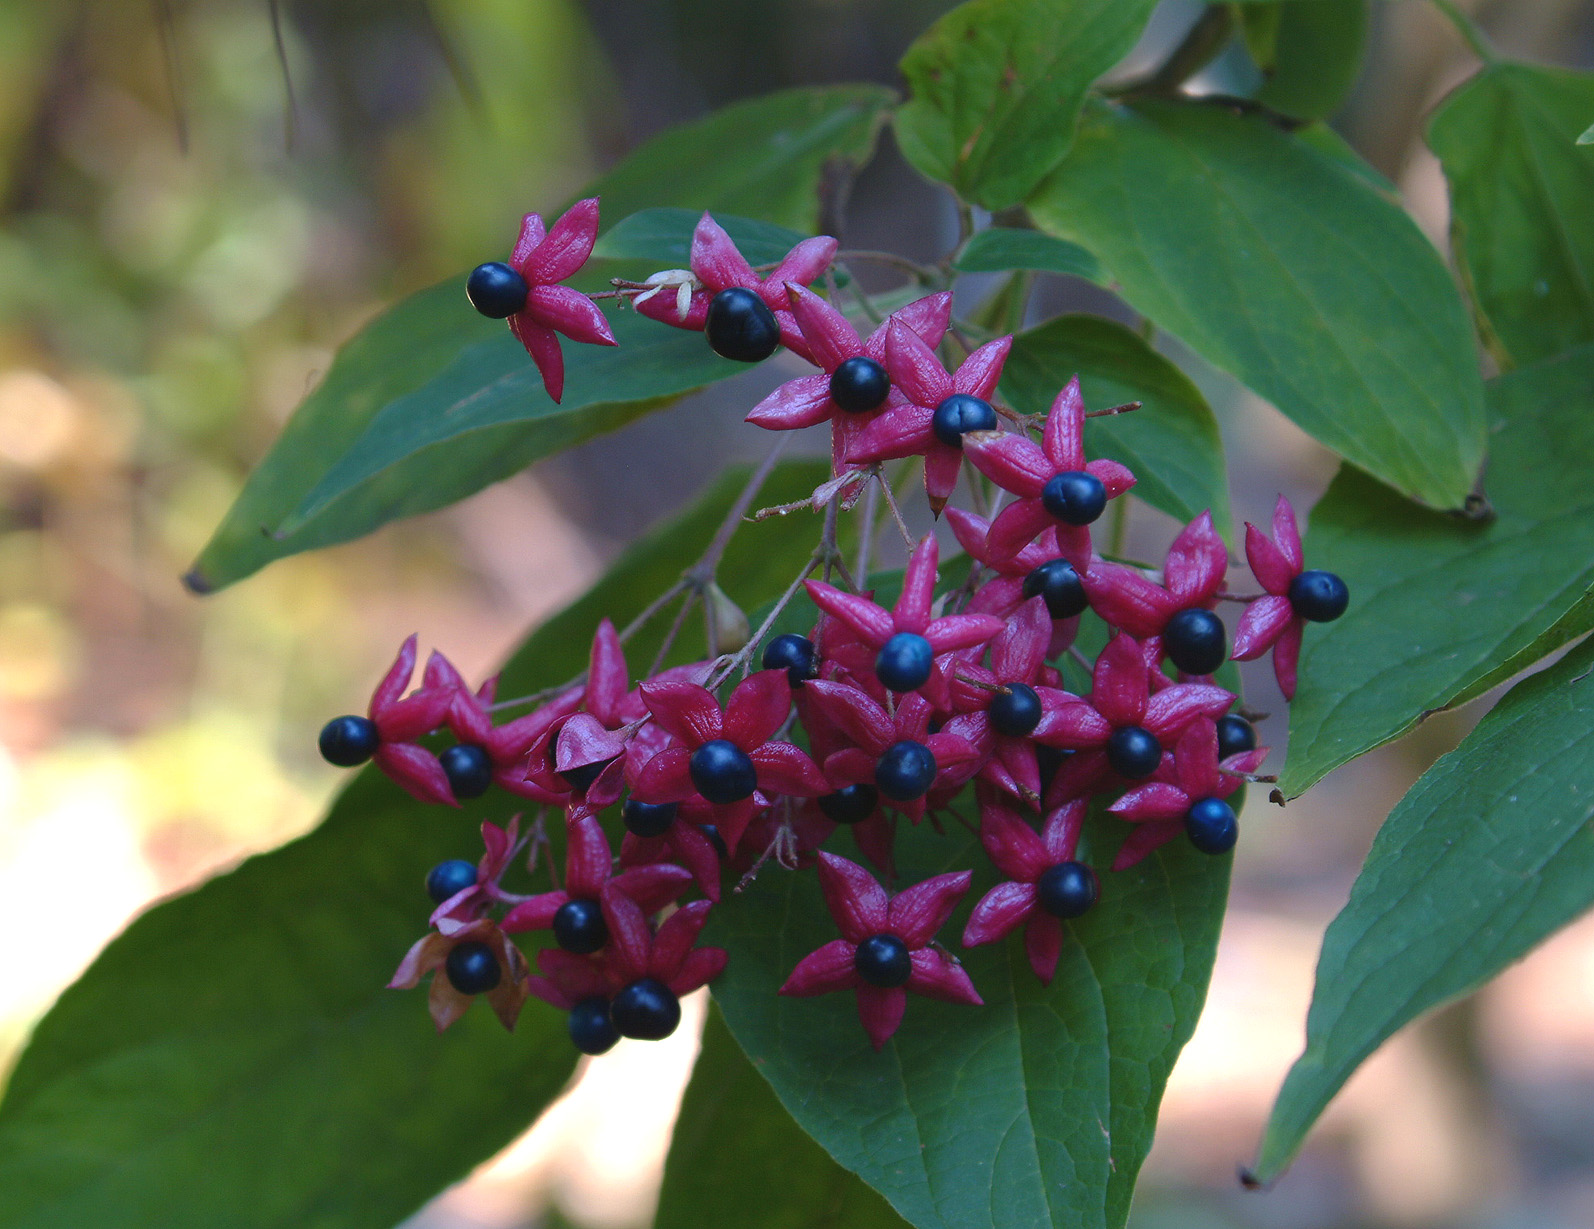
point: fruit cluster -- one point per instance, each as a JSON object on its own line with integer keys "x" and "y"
{"x": 879, "y": 715}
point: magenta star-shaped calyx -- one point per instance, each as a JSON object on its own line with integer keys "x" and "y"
{"x": 885, "y": 946}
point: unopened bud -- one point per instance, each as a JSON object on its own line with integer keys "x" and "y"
{"x": 728, "y": 628}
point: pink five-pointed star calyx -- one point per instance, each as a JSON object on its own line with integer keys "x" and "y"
{"x": 1015, "y": 463}
{"x": 876, "y": 931}
{"x": 545, "y": 257}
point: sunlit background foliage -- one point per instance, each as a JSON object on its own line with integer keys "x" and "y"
{"x": 199, "y": 201}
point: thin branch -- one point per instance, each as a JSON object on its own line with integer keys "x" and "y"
{"x": 866, "y": 530}
{"x": 290, "y": 119}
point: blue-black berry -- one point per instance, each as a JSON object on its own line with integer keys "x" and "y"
{"x": 1133, "y": 752}
{"x": 496, "y": 290}
{"x": 1235, "y": 734}
{"x": 450, "y": 878}
{"x": 905, "y": 771}
{"x": 722, "y": 771}
{"x": 646, "y": 1009}
{"x": 1319, "y": 596}
{"x": 468, "y": 769}
{"x": 582, "y": 775}
{"x": 904, "y": 662}
{"x": 1211, "y": 826}
{"x": 795, "y": 655}
{"x": 591, "y": 1030}
{"x": 1057, "y": 582}
{"x": 472, "y": 968}
{"x": 578, "y": 927}
{"x": 647, "y": 818}
{"x": 1075, "y": 497}
{"x": 1067, "y": 889}
{"x": 851, "y": 805}
{"x": 1016, "y": 711}
{"x": 348, "y": 741}
{"x": 1194, "y": 641}
{"x": 859, "y": 385}
{"x": 884, "y": 961}
{"x": 740, "y": 326}
{"x": 958, "y": 415}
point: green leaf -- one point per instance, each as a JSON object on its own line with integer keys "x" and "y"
{"x": 1277, "y": 264}
{"x": 1519, "y": 193}
{"x": 663, "y": 238}
{"x": 430, "y": 365}
{"x": 1489, "y": 854}
{"x": 1442, "y": 608}
{"x": 1315, "y": 57}
{"x": 999, "y": 248}
{"x": 769, "y": 158}
{"x": 1171, "y": 442}
{"x": 733, "y": 1140}
{"x": 996, "y": 86}
{"x": 1035, "y": 1109}
{"x": 156, "y": 1092}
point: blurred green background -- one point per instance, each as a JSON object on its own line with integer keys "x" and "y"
{"x": 199, "y": 201}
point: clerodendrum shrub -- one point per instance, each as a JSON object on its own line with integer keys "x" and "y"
{"x": 972, "y": 998}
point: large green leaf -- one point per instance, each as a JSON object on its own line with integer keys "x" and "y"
{"x": 1035, "y": 1109}
{"x": 233, "y": 1059}
{"x": 996, "y": 87}
{"x": 1171, "y": 442}
{"x": 1442, "y": 608}
{"x": 1491, "y": 852}
{"x": 738, "y": 1159}
{"x": 431, "y": 402}
{"x": 1519, "y": 194}
{"x": 1279, "y": 265}
{"x": 663, "y": 238}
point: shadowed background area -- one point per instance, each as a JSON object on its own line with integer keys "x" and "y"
{"x": 199, "y": 201}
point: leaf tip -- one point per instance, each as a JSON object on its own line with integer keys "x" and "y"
{"x": 197, "y": 583}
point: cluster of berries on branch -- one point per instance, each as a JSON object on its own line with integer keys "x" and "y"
{"x": 879, "y": 716}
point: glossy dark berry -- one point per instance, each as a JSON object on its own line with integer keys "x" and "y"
{"x": 905, "y": 771}
{"x": 347, "y": 741}
{"x": 1211, "y": 826}
{"x": 646, "y": 1009}
{"x": 851, "y": 805}
{"x": 472, "y": 968}
{"x": 958, "y": 415}
{"x": 583, "y": 775}
{"x": 1057, "y": 582}
{"x": 904, "y": 662}
{"x": 1016, "y": 711}
{"x": 1075, "y": 498}
{"x": 468, "y": 769}
{"x": 1067, "y": 889}
{"x": 647, "y": 818}
{"x": 1319, "y": 596}
{"x": 496, "y": 290}
{"x": 722, "y": 771}
{"x": 715, "y": 839}
{"x": 1235, "y": 734}
{"x": 591, "y": 1030}
{"x": 883, "y": 961}
{"x": 578, "y": 927}
{"x": 795, "y": 655}
{"x": 449, "y": 878}
{"x": 740, "y": 326}
{"x": 1133, "y": 752}
{"x": 859, "y": 385}
{"x": 1194, "y": 641}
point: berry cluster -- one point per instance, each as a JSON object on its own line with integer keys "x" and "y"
{"x": 879, "y": 715}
